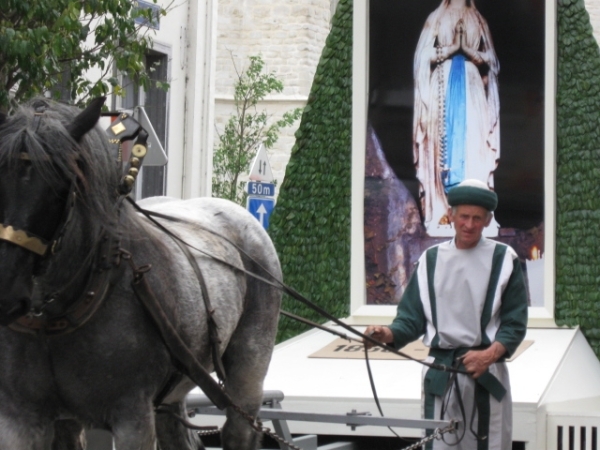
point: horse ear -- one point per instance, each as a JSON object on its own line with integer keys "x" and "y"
{"x": 85, "y": 121}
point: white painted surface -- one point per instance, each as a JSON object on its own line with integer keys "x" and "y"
{"x": 360, "y": 93}
{"x": 559, "y": 366}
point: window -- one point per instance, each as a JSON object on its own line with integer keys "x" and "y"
{"x": 152, "y": 179}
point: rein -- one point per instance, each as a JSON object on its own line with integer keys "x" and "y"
{"x": 454, "y": 370}
{"x": 278, "y": 284}
{"x": 108, "y": 270}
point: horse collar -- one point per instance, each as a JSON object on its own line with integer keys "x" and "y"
{"x": 100, "y": 282}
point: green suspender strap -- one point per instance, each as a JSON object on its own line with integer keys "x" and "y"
{"x": 435, "y": 380}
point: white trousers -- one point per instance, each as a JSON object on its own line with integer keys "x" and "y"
{"x": 495, "y": 433}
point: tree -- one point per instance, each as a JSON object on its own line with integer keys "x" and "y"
{"x": 246, "y": 129}
{"x": 310, "y": 226}
{"x": 50, "y": 44}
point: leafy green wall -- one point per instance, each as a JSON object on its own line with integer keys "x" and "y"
{"x": 311, "y": 223}
{"x": 578, "y": 173}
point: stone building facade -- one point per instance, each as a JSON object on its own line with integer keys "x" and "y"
{"x": 289, "y": 35}
{"x": 201, "y": 41}
{"x": 593, "y": 8}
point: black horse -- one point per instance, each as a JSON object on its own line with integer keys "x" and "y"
{"x": 79, "y": 348}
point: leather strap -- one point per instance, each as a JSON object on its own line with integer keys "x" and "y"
{"x": 178, "y": 349}
{"x": 98, "y": 287}
{"x": 213, "y": 328}
{"x": 213, "y": 331}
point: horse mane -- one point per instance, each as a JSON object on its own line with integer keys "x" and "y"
{"x": 43, "y": 136}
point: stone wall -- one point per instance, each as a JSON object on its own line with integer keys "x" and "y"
{"x": 289, "y": 35}
{"x": 593, "y": 9}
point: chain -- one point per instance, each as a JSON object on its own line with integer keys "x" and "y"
{"x": 437, "y": 434}
{"x": 279, "y": 439}
{"x": 208, "y": 432}
{"x": 258, "y": 426}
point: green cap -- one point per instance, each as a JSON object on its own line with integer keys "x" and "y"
{"x": 473, "y": 192}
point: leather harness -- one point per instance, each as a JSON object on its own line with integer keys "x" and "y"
{"x": 106, "y": 271}
{"x": 101, "y": 282}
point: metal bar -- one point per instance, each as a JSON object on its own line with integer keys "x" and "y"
{"x": 200, "y": 400}
{"x": 281, "y": 426}
{"x": 272, "y": 414}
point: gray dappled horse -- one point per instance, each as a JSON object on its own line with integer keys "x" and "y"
{"x": 65, "y": 365}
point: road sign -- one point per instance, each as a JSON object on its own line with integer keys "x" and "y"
{"x": 262, "y": 189}
{"x": 261, "y": 208}
{"x": 261, "y": 169}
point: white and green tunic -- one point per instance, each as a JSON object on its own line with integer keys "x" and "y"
{"x": 461, "y": 300}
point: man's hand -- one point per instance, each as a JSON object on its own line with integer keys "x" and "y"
{"x": 379, "y": 333}
{"x": 477, "y": 361}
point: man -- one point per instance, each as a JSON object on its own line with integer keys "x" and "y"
{"x": 468, "y": 298}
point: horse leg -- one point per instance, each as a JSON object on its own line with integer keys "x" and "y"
{"x": 237, "y": 432}
{"x": 246, "y": 361}
{"x": 18, "y": 433}
{"x": 68, "y": 435}
{"x": 134, "y": 430}
{"x": 172, "y": 434}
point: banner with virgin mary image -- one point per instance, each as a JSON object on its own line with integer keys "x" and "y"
{"x": 456, "y": 91}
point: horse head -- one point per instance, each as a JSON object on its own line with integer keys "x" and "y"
{"x": 45, "y": 164}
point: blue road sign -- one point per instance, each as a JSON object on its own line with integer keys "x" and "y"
{"x": 262, "y": 189}
{"x": 261, "y": 208}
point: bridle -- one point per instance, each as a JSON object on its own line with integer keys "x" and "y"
{"x": 28, "y": 240}
{"x": 124, "y": 128}
{"x": 102, "y": 261}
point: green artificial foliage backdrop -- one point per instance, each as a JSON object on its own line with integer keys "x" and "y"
{"x": 310, "y": 225}
{"x": 311, "y": 222}
{"x": 578, "y": 173}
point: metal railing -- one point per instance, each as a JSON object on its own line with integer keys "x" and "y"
{"x": 199, "y": 404}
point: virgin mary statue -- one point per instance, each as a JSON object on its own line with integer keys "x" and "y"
{"x": 456, "y": 129}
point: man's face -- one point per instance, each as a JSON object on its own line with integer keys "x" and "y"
{"x": 469, "y": 222}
